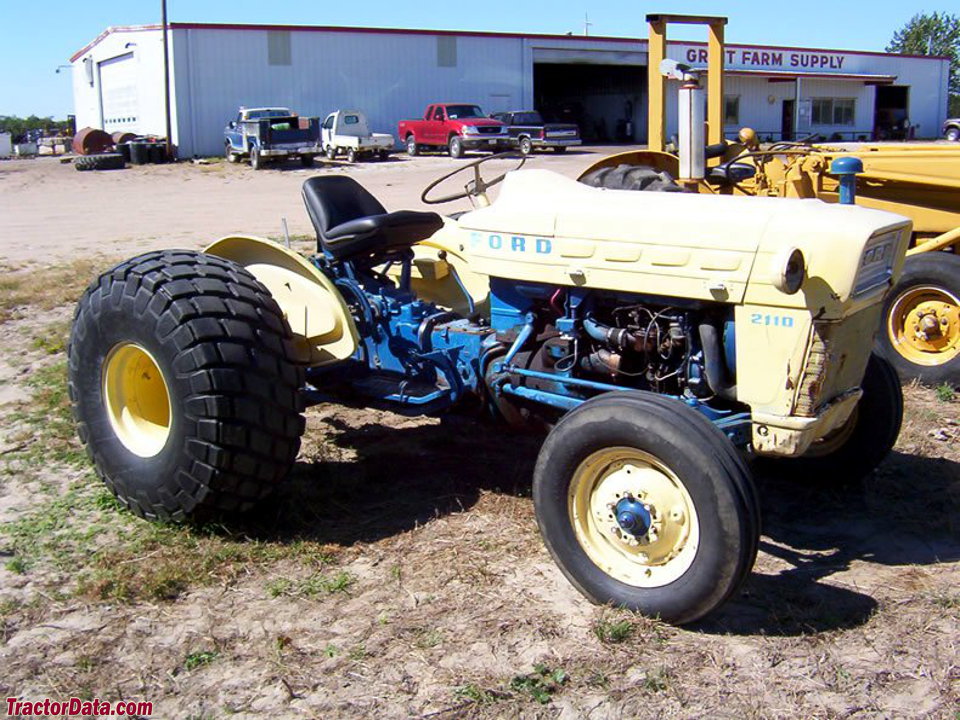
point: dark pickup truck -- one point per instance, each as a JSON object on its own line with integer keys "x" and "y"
{"x": 528, "y": 131}
{"x": 265, "y": 134}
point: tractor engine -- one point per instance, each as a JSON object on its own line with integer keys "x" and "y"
{"x": 572, "y": 342}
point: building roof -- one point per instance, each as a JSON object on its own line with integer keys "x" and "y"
{"x": 455, "y": 33}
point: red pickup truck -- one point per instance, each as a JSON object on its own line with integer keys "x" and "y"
{"x": 455, "y": 126}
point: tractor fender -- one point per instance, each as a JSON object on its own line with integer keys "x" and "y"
{"x": 314, "y": 308}
{"x": 651, "y": 158}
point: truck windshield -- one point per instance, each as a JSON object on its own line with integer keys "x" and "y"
{"x": 268, "y": 113}
{"x": 458, "y": 112}
{"x": 527, "y": 118}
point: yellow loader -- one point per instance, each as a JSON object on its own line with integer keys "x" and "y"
{"x": 920, "y": 329}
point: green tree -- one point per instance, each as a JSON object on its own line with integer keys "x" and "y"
{"x": 18, "y": 126}
{"x": 933, "y": 34}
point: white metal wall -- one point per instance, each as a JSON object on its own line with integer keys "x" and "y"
{"x": 395, "y": 75}
{"x": 144, "y": 76}
{"x": 388, "y": 76}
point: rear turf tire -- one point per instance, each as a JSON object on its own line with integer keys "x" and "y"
{"x": 674, "y": 454}
{"x": 185, "y": 386}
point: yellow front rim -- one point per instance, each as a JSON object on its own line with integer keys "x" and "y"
{"x": 924, "y": 325}
{"x": 658, "y": 557}
{"x": 136, "y": 399}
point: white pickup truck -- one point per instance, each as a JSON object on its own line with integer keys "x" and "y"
{"x": 347, "y": 131}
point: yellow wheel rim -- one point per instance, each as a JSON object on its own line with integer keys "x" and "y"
{"x": 137, "y": 399}
{"x": 924, "y": 325}
{"x": 666, "y": 550}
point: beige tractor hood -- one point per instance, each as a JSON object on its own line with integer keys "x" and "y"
{"x": 544, "y": 227}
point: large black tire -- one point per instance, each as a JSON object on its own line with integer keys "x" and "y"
{"x": 853, "y": 451}
{"x": 412, "y": 148}
{"x": 632, "y": 177}
{"x": 930, "y": 281}
{"x": 455, "y": 147}
{"x": 715, "y": 482}
{"x": 256, "y": 161}
{"x": 206, "y": 335}
{"x": 306, "y": 160}
{"x": 104, "y": 161}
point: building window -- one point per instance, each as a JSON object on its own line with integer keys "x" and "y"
{"x": 833, "y": 111}
{"x": 446, "y": 51}
{"x": 731, "y": 109}
{"x": 278, "y": 47}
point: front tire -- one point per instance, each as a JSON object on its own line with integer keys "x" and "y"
{"x": 256, "y": 162}
{"x": 921, "y": 320}
{"x": 854, "y": 450}
{"x": 455, "y": 147}
{"x": 645, "y": 504}
{"x": 952, "y": 134}
{"x": 412, "y": 149}
{"x": 185, "y": 386}
{"x": 230, "y": 155}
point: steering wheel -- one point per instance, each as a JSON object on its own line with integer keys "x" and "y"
{"x": 476, "y": 186}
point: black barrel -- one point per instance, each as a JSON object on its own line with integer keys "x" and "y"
{"x": 139, "y": 153}
{"x": 158, "y": 153}
{"x": 124, "y": 149}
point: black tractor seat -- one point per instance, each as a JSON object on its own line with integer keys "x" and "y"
{"x": 350, "y": 222}
{"x": 730, "y": 173}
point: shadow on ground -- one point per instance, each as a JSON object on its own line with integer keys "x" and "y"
{"x": 906, "y": 513}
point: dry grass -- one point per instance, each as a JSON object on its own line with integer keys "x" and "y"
{"x": 28, "y": 290}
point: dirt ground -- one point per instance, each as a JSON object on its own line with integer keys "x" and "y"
{"x": 399, "y": 573}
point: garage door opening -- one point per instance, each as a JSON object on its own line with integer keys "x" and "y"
{"x": 605, "y": 101}
{"x": 890, "y": 121}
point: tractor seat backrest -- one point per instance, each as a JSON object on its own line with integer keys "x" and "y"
{"x": 332, "y": 200}
{"x": 351, "y": 223}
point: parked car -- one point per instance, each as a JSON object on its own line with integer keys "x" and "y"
{"x": 528, "y": 131}
{"x": 951, "y": 129}
{"x": 455, "y": 126}
{"x": 347, "y": 131}
{"x": 264, "y": 134}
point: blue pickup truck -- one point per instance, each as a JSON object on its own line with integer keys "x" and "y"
{"x": 275, "y": 133}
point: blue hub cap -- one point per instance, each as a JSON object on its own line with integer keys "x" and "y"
{"x": 633, "y": 517}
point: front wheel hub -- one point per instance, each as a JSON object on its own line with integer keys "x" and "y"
{"x": 633, "y": 517}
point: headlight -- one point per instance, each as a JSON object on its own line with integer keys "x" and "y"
{"x": 470, "y": 130}
{"x": 876, "y": 263}
{"x": 789, "y": 270}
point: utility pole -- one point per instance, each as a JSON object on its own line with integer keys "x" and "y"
{"x": 166, "y": 79}
{"x": 586, "y": 24}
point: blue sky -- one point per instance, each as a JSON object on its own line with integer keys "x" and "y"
{"x": 33, "y": 44}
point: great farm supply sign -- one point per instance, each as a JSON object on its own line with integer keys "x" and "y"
{"x": 768, "y": 58}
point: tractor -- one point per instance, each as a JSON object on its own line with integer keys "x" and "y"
{"x": 920, "y": 325}
{"x": 660, "y": 340}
